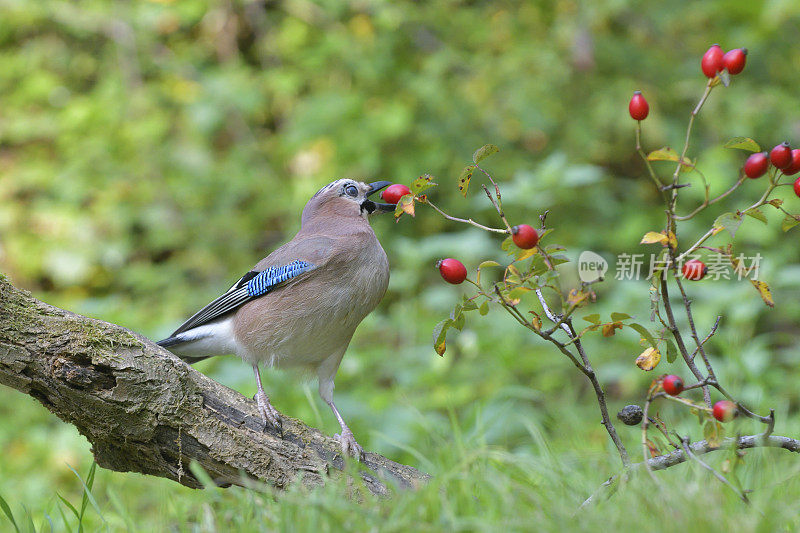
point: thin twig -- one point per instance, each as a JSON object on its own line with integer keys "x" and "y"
{"x": 685, "y": 444}
{"x": 465, "y": 220}
{"x": 687, "y": 304}
{"x": 589, "y": 372}
{"x": 679, "y": 340}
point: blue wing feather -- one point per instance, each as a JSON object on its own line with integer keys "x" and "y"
{"x": 251, "y": 286}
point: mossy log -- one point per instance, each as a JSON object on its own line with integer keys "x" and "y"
{"x": 144, "y": 410}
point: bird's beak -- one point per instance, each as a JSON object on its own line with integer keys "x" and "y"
{"x": 378, "y": 207}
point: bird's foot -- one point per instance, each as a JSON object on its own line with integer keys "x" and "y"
{"x": 269, "y": 415}
{"x": 349, "y": 445}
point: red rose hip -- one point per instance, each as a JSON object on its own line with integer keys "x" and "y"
{"x": 524, "y": 236}
{"x": 724, "y": 410}
{"x": 794, "y": 167}
{"x": 673, "y": 385}
{"x": 694, "y": 270}
{"x": 452, "y": 270}
{"x": 712, "y": 61}
{"x": 734, "y": 60}
{"x": 756, "y": 165}
{"x": 393, "y": 193}
{"x": 797, "y": 186}
{"x": 781, "y": 155}
{"x": 638, "y": 106}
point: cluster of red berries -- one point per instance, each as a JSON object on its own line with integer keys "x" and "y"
{"x": 723, "y": 410}
{"x": 715, "y": 60}
{"x": 453, "y": 271}
{"x": 781, "y": 157}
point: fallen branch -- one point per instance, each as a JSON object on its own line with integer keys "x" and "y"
{"x": 702, "y": 447}
{"x": 146, "y": 411}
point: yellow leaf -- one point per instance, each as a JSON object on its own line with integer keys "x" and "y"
{"x": 672, "y": 240}
{"x": 648, "y": 359}
{"x": 576, "y": 297}
{"x": 530, "y": 252}
{"x": 440, "y": 348}
{"x": 763, "y": 290}
{"x": 610, "y": 329}
{"x": 407, "y": 204}
{"x": 652, "y": 237}
{"x": 536, "y": 321}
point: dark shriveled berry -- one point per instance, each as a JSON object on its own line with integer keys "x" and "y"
{"x": 630, "y": 415}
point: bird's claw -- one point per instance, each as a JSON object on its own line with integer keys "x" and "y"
{"x": 269, "y": 415}
{"x": 349, "y": 445}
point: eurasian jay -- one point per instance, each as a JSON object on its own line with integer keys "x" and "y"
{"x": 299, "y": 306}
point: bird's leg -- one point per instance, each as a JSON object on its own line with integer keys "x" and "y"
{"x": 346, "y": 437}
{"x": 268, "y": 413}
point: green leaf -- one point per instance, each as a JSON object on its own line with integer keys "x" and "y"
{"x": 7, "y": 510}
{"x": 756, "y": 214}
{"x": 422, "y": 183}
{"x": 743, "y": 143}
{"x": 463, "y": 179}
{"x": 483, "y": 152}
{"x": 440, "y": 334}
{"x": 672, "y": 351}
{"x": 729, "y": 222}
{"x": 459, "y": 322}
{"x": 486, "y": 264}
{"x": 616, "y": 317}
{"x": 469, "y": 305}
{"x": 593, "y": 318}
{"x": 645, "y": 333}
{"x": 484, "y": 309}
{"x": 518, "y": 293}
{"x": 789, "y": 222}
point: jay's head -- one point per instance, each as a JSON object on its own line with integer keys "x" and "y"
{"x": 346, "y": 198}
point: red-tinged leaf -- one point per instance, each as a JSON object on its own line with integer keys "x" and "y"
{"x": 610, "y": 329}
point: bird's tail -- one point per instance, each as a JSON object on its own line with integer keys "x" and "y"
{"x": 177, "y": 340}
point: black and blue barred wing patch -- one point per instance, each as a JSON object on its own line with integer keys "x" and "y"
{"x": 249, "y": 287}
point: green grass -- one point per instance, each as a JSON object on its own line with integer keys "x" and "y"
{"x": 538, "y": 483}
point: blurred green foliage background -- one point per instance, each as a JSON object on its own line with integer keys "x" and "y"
{"x": 151, "y": 152}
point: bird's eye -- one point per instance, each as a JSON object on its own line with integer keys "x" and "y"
{"x": 351, "y": 190}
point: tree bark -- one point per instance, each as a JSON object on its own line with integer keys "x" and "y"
{"x": 144, "y": 410}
